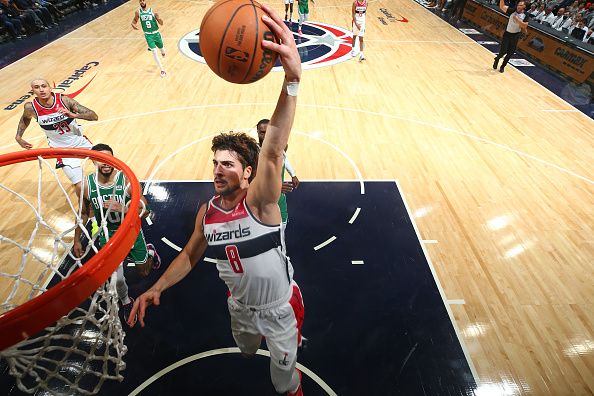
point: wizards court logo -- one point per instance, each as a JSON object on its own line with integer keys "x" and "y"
{"x": 320, "y": 45}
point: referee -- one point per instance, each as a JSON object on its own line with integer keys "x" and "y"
{"x": 509, "y": 42}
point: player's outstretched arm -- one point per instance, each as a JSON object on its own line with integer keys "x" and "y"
{"x": 28, "y": 114}
{"x": 503, "y": 6}
{"x": 135, "y": 20}
{"x": 76, "y": 110}
{"x": 177, "y": 270}
{"x": 265, "y": 188}
{"x": 158, "y": 18}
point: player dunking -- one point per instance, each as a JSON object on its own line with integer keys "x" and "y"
{"x": 56, "y": 115}
{"x": 242, "y": 227}
{"x": 150, "y": 22}
{"x": 358, "y": 10}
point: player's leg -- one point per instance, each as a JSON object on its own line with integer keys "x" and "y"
{"x": 150, "y": 40}
{"x": 283, "y": 338}
{"x": 291, "y": 10}
{"x": 74, "y": 173}
{"x": 245, "y": 334}
{"x": 361, "y": 44}
{"x": 511, "y": 49}
{"x": 139, "y": 255}
{"x": 502, "y": 49}
{"x": 159, "y": 43}
{"x": 286, "y": 9}
{"x": 355, "y": 34}
{"x": 126, "y": 302}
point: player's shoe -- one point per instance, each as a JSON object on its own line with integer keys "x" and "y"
{"x": 299, "y": 391}
{"x": 126, "y": 310}
{"x": 153, "y": 253}
{"x": 353, "y": 53}
{"x": 163, "y": 73}
{"x": 362, "y": 57}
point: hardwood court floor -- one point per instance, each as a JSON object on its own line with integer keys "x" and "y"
{"x": 503, "y": 186}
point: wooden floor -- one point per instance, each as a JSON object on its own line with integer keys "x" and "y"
{"x": 504, "y": 187}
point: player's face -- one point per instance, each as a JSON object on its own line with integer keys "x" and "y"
{"x": 41, "y": 89}
{"x": 104, "y": 169}
{"x": 521, "y": 6}
{"x": 229, "y": 175}
{"x": 142, "y": 3}
{"x": 262, "y": 132}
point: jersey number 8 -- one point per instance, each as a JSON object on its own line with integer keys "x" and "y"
{"x": 233, "y": 257}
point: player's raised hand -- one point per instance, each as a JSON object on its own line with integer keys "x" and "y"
{"x": 146, "y": 299}
{"x": 67, "y": 112}
{"x": 113, "y": 205}
{"x": 287, "y": 50}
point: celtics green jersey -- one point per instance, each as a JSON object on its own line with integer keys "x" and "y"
{"x": 148, "y": 21}
{"x": 98, "y": 194}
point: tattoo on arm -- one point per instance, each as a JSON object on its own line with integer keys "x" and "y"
{"x": 81, "y": 111}
{"x": 25, "y": 121}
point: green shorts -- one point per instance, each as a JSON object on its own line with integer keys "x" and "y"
{"x": 304, "y": 7}
{"x": 154, "y": 40}
{"x": 282, "y": 204}
{"x": 138, "y": 254}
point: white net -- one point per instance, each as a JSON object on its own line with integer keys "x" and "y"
{"x": 84, "y": 348}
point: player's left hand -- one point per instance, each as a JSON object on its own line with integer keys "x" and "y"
{"x": 134, "y": 26}
{"x": 287, "y": 49}
{"x": 287, "y": 187}
{"x": 67, "y": 113}
{"x": 112, "y": 204}
{"x": 295, "y": 181}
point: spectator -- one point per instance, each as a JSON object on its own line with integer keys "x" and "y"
{"x": 13, "y": 25}
{"x": 57, "y": 14}
{"x": 28, "y": 18}
{"x": 563, "y": 21}
{"x": 579, "y": 30}
{"x": 589, "y": 36}
{"x": 41, "y": 11}
{"x": 548, "y": 17}
{"x": 541, "y": 14}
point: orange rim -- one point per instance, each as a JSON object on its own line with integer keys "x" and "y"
{"x": 33, "y": 316}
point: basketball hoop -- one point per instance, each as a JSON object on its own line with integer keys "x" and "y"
{"x": 58, "y": 307}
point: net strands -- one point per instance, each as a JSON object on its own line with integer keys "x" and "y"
{"x": 85, "y": 346}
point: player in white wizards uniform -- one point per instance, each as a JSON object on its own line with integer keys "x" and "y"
{"x": 242, "y": 225}
{"x": 358, "y": 10}
{"x": 56, "y": 115}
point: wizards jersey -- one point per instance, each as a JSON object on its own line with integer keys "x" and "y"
{"x": 360, "y": 9}
{"x": 251, "y": 256}
{"x": 61, "y": 131}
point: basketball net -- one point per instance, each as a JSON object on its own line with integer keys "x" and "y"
{"x": 83, "y": 348}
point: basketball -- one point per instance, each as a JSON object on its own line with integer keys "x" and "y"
{"x": 231, "y": 37}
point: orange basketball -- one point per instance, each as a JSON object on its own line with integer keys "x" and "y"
{"x": 231, "y": 37}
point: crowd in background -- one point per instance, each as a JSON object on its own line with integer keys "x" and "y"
{"x": 22, "y": 18}
{"x": 573, "y": 17}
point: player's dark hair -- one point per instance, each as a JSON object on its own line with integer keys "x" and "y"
{"x": 102, "y": 147}
{"x": 245, "y": 146}
{"x": 262, "y": 121}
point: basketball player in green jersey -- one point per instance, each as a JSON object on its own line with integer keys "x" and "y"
{"x": 286, "y": 186}
{"x": 150, "y": 22}
{"x": 105, "y": 190}
{"x": 303, "y": 13}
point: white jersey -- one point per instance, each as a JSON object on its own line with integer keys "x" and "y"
{"x": 61, "y": 131}
{"x": 360, "y": 9}
{"x": 251, "y": 256}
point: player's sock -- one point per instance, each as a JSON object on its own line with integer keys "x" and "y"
{"x": 127, "y": 300}
{"x": 154, "y": 51}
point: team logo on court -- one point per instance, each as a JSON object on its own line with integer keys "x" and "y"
{"x": 320, "y": 45}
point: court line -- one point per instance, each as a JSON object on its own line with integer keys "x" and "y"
{"x": 456, "y": 302}
{"x": 419, "y": 41}
{"x": 439, "y": 287}
{"x": 352, "y": 220}
{"x": 326, "y": 242}
{"x": 210, "y": 260}
{"x": 429, "y": 241}
{"x": 357, "y": 262}
{"x": 561, "y": 111}
{"x": 222, "y": 351}
{"x": 375, "y": 113}
{"x": 345, "y": 155}
{"x": 171, "y": 244}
